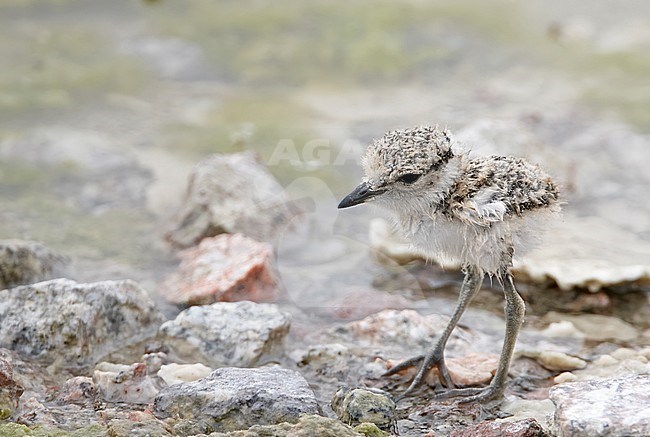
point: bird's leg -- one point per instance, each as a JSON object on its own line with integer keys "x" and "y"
{"x": 515, "y": 309}
{"x": 435, "y": 356}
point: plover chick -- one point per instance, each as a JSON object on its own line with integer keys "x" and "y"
{"x": 477, "y": 212}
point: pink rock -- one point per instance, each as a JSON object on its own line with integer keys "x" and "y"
{"x": 470, "y": 370}
{"x": 225, "y": 268}
{"x": 10, "y": 390}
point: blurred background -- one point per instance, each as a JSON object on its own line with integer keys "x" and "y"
{"x": 105, "y": 107}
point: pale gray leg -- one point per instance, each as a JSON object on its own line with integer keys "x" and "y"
{"x": 436, "y": 355}
{"x": 515, "y": 309}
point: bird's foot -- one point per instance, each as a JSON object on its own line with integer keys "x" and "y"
{"x": 480, "y": 394}
{"x": 433, "y": 359}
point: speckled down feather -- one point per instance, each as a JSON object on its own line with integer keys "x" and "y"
{"x": 474, "y": 211}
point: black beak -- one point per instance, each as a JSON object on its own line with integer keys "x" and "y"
{"x": 359, "y": 195}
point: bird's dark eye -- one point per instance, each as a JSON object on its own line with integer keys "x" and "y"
{"x": 409, "y": 178}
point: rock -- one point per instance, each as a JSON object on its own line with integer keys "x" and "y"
{"x": 26, "y": 262}
{"x": 553, "y": 360}
{"x": 80, "y": 390}
{"x": 10, "y": 390}
{"x": 231, "y": 194}
{"x": 360, "y": 405}
{"x": 597, "y": 327}
{"x": 562, "y": 328}
{"x": 611, "y": 407}
{"x": 469, "y": 370}
{"x": 136, "y": 424}
{"x": 177, "y": 373}
{"x": 122, "y": 383}
{"x": 405, "y": 329}
{"x": 231, "y": 399}
{"x": 522, "y": 428}
{"x": 224, "y": 268}
{"x": 572, "y": 258}
{"x": 227, "y": 334}
{"x": 309, "y": 425}
{"x": 620, "y": 363}
{"x": 542, "y": 410}
{"x": 329, "y": 360}
{"x": 90, "y": 321}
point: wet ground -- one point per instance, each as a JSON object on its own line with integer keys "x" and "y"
{"x": 106, "y": 106}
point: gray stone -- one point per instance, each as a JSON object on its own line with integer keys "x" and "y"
{"x": 73, "y": 325}
{"x": 309, "y": 425}
{"x": 365, "y": 405}
{"x": 227, "y": 334}
{"x": 232, "y": 399}
{"x": 610, "y": 407}
{"x": 521, "y": 428}
{"x": 26, "y": 262}
{"x": 233, "y": 194}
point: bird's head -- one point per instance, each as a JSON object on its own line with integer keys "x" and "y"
{"x": 401, "y": 164}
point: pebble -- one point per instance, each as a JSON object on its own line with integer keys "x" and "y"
{"x": 227, "y": 333}
{"x": 597, "y": 327}
{"x": 124, "y": 383}
{"x": 355, "y": 406}
{"x": 178, "y": 373}
{"x": 232, "y": 399}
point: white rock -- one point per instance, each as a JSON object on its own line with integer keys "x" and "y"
{"x": 177, "y": 373}
{"x": 597, "y": 327}
{"x": 554, "y": 360}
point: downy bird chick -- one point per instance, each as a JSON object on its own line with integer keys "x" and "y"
{"x": 476, "y": 212}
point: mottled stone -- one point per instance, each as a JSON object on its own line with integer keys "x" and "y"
{"x": 137, "y": 424}
{"x": 90, "y": 320}
{"x": 227, "y": 334}
{"x": 609, "y": 407}
{"x": 355, "y": 406}
{"x": 231, "y": 194}
{"x": 79, "y": 390}
{"x": 522, "y": 428}
{"x": 178, "y": 373}
{"x": 232, "y": 399}
{"x": 123, "y": 383}
{"x": 224, "y": 268}
{"x": 10, "y": 390}
{"x": 309, "y": 425}
{"x": 26, "y": 262}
